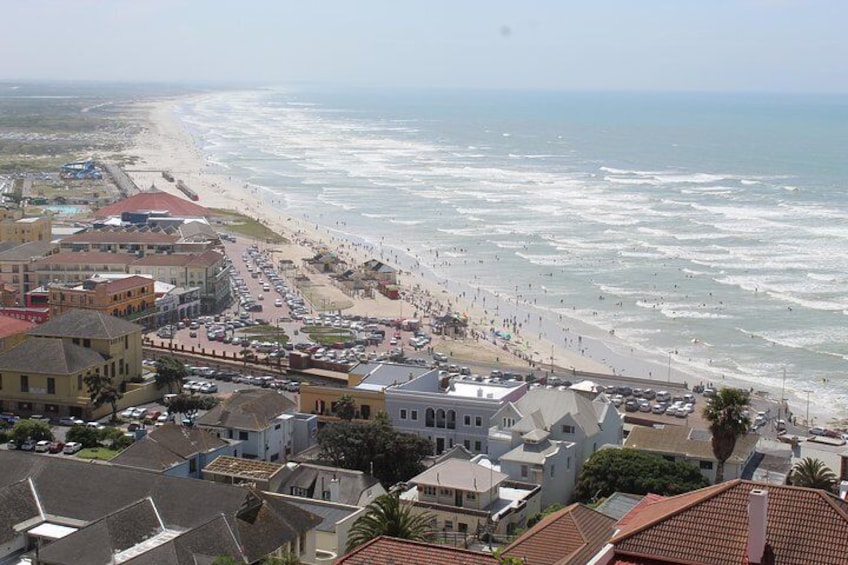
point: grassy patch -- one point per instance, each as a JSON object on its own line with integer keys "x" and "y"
{"x": 100, "y": 453}
{"x": 249, "y": 227}
{"x": 262, "y": 329}
{"x": 327, "y": 336}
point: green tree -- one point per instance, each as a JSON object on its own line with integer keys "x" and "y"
{"x": 186, "y": 404}
{"x": 727, "y": 414}
{"x": 387, "y": 516}
{"x": 170, "y": 372}
{"x": 88, "y": 437}
{"x": 226, "y": 560}
{"x": 31, "y": 429}
{"x": 636, "y": 472}
{"x": 812, "y": 473}
{"x": 285, "y": 559}
{"x": 101, "y": 391}
{"x": 345, "y": 407}
{"x": 374, "y": 447}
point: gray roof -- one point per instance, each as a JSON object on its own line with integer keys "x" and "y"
{"x": 329, "y": 512}
{"x": 387, "y": 374}
{"x": 27, "y": 251}
{"x": 110, "y": 498}
{"x": 167, "y": 446}
{"x": 316, "y": 478}
{"x": 618, "y": 504}
{"x": 542, "y": 408}
{"x": 250, "y": 409}
{"x": 17, "y": 504}
{"x": 532, "y": 453}
{"x": 54, "y": 356}
{"x": 86, "y": 324}
{"x": 461, "y": 475}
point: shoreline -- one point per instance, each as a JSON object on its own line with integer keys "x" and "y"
{"x": 168, "y": 145}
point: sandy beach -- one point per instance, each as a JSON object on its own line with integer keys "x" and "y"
{"x": 534, "y": 340}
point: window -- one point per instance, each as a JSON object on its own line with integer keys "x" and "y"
{"x": 192, "y": 465}
{"x": 471, "y": 495}
{"x": 445, "y": 491}
{"x": 508, "y": 422}
{"x": 478, "y": 446}
{"x": 79, "y": 382}
{"x": 467, "y": 420}
{"x": 552, "y": 470}
{"x": 413, "y": 415}
{"x": 86, "y": 342}
{"x": 478, "y": 421}
{"x": 51, "y": 385}
{"x": 467, "y": 444}
{"x": 566, "y": 429}
{"x": 277, "y": 427}
{"x": 430, "y": 418}
{"x": 365, "y": 411}
{"x": 524, "y": 471}
{"x": 403, "y": 413}
{"x": 440, "y": 418}
{"x": 451, "y": 420}
{"x": 568, "y": 463}
{"x": 430, "y": 491}
{"x": 243, "y": 436}
{"x": 325, "y": 495}
{"x": 299, "y": 491}
{"x": 706, "y": 465}
{"x": 24, "y": 383}
{"x": 448, "y": 525}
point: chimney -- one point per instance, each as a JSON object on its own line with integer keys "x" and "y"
{"x": 757, "y": 523}
{"x": 843, "y": 489}
{"x": 334, "y": 489}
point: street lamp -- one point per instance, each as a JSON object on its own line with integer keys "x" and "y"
{"x": 807, "y": 418}
{"x": 669, "y": 367}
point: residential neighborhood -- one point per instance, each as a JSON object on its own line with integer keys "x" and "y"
{"x": 232, "y": 413}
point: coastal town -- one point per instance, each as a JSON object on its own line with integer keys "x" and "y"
{"x": 176, "y": 371}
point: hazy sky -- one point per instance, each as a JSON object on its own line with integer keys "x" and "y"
{"x": 763, "y": 45}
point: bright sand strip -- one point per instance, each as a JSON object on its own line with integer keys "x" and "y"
{"x": 167, "y": 145}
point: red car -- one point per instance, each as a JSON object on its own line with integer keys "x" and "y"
{"x": 56, "y": 447}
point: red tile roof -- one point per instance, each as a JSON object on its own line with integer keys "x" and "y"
{"x": 570, "y": 536}
{"x": 11, "y": 326}
{"x": 153, "y": 200}
{"x": 394, "y": 551}
{"x": 710, "y": 527}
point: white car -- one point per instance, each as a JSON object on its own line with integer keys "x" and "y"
{"x": 208, "y": 388}
{"x": 94, "y": 426}
{"x": 42, "y": 446}
{"x": 278, "y": 303}
{"x": 128, "y": 413}
{"x": 140, "y": 413}
{"x": 71, "y": 447}
{"x": 164, "y": 418}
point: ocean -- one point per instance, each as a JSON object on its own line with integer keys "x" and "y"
{"x": 701, "y": 231}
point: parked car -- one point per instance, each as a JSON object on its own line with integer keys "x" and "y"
{"x": 40, "y": 418}
{"x": 28, "y": 445}
{"x": 56, "y": 447}
{"x": 70, "y": 421}
{"x": 71, "y": 447}
{"x": 817, "y": 431}
{"x": 128, "y": 413}
{"x": 208, "y": 388}
{"x": 94, "y": 425}
{"x": 42, "y": 446}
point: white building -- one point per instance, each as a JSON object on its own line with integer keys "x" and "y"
{"x": 545, "y": 436}
{"x": 263, "y": 420}
{"x": 455, "y": 414}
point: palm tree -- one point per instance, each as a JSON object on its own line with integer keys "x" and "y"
{"x": 812, "y": 473}
{"x": 387, "y": 516}
{"x": 727, "y": 414}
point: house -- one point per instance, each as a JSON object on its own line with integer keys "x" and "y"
{"x": 122, "y": 515}
{"x": 386, "y": 550}
{"x": 261, "y": 419}
{"x": 571, "y": 536}
{"x": 336, "y": 521}
{"x": 547, "y": 435}
{"x": 734, "y": 522}
{"x": 333, "y": 484}
{"x": 73, "y": 267}
{"x": 472, "y": 499}
{"x": 207, "y": 271}
{"x": 448, "y": 413}
{"x": 68, "y": 349}
{"x": 177, "y": 451}
{"x": 366, "y": 384}
{"x": 682, "y": 443}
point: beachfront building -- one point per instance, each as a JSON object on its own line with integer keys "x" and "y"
{"x": 366, "y": 384}
{"x": 45, "y": 373}
{"x": 129, "y": 297}
{"x": 25, "y": 230}
{"x": 136, "y": 241}
{"x": 73, "y": 267}
{"x": 207, "y": 271}
{"x": 682, "y": 443}
{"x": 154, "y": 200}
{"x": 469, "y": 498}
{"x": 449, "y": 412}
{"x": 175, "y": 303}
{"x": 545, "y": 436}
